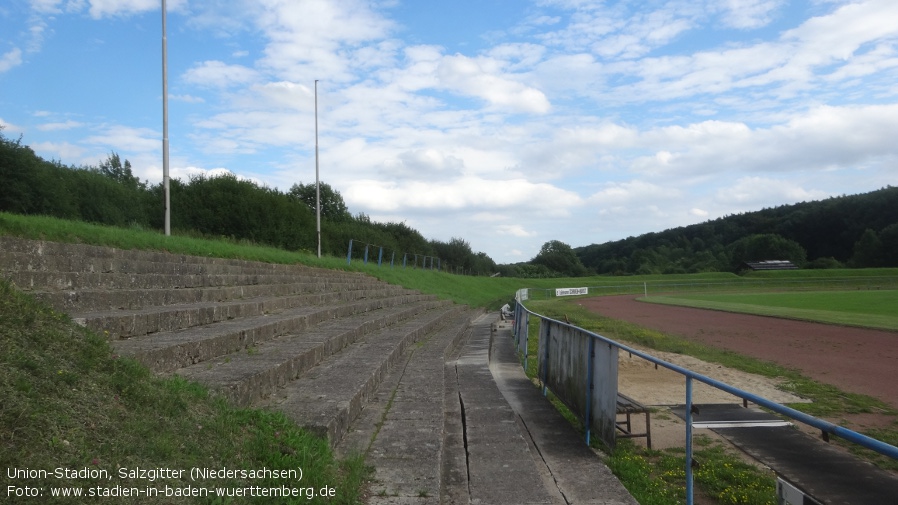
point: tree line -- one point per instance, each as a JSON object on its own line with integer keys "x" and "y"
{"x": 221, "y": 206}
{"x": 857, "y": 231}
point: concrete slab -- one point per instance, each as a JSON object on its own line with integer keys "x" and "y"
{"x": 501, "y": 467}
{"x": 577, "y": 472}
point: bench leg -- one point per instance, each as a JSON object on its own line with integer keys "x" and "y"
{"x": 648, "y": 430}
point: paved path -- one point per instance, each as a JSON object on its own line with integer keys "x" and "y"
{"x": 490, "y": 438}
{"x": 576, "y": 472}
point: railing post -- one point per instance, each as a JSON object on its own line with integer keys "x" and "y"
{"x": 380, "y": 256}
{"x": 392, "y": 259}
{"x": 404, "y": 259}
{"x": 548, "y": 337}
{"x": 349, "y": 253}
{"x": 589, "y": 384}
{"x": 689, "y": 479}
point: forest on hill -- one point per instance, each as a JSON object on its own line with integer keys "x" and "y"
{"x": 857, "y": 231}
{"x": 222, "y": 206}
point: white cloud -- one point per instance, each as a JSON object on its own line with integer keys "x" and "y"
{"x": 67, "y": 125}
{"x": 758, "y": 192}
{"x": 221, "y": 75}
{"x": 615, "y": 196}
{"x": 60, "y": 150}
{"x": 468, "y": 193}
{"x": 126, "y": 139}
{"x": 187, "y": 98}
{"x": 749, "y": 14}
{"x": 823, "y": 137}
{"x": 104, "y": 8}
{"x": 47, "y": 6}
{"x": 481, "y": 78}
{"x": 10, "y": 59}
{"x": 515, "y": 230}
{"x": 314, "y": 37}
{"x": 836, "y": 36}
{"x": 423, "y": 164}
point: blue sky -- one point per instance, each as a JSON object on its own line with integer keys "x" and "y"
{"x": 507, "y": 123}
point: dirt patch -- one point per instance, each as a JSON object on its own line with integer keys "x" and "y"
{"x": 640, "y": 379}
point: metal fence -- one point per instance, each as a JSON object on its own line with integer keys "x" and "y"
{"x": 367, "y": 252}
{"x": 568, "y": 368}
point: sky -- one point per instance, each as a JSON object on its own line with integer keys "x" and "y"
{"x": 507, "y": 123}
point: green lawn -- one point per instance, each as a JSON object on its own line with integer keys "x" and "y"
{"x": 871, "y": 309}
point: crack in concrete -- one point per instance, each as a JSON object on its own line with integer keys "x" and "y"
{"x": 543, "y": 459}
{"x": 464, "y": 432}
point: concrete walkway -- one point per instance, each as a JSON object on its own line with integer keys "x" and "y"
{"x": 577, "y": 473}
{"x": 490, "y": 438}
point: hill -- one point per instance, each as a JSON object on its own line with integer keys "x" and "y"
{"x": 858, "y": 231}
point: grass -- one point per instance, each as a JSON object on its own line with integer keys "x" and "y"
{"x": 869, "y": 308}
{"x": 658, "y": 477}
{"x": 68, "y": 402}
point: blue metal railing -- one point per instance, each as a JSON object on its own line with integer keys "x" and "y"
{"x": 521, "y": 335}
{"x": 433, "y": 264}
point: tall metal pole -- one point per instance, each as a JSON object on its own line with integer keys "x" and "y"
{"x": 317, "y": 182}
{"x": 165, "y": 178}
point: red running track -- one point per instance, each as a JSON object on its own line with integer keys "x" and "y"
{"x": 856, "y": 360}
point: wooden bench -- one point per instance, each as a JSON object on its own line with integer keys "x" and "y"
{"x": 628, "y": 406}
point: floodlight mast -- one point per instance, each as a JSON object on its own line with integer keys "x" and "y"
{"x": 165, "y": 177}
{"x": 317, "y": 181}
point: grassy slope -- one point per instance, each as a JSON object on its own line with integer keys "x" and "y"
{"x": 68, "y": 402}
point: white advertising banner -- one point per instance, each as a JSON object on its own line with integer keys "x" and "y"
{"x": 571, "y": 291}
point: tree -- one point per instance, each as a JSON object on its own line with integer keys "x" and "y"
{"x": 888, "y": 236}
{"x": 559, "y": 257}
{"x": 119, "y": 172}
{"x": 332, "y": 205}
{"x": 767, "y": 246}
{"x": 868, "y": 251}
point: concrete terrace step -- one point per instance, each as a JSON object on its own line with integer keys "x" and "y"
{"x": 401, "y": 428}
{"x": 101, "y": 309}
{"x": 71, "y": 280}
{"x": 248, "y": 377}
{"x": 329, "y": 396}
{"x": 63, "y": 263}
{"x": 170, "y": 350}
{"x": 18, "y": 254}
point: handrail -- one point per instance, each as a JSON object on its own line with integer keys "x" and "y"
{"x": 522, "y": 314}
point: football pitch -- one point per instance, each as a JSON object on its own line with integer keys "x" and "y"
{"x": 869, "y": 309}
